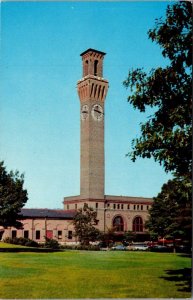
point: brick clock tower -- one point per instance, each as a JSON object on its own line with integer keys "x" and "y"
{"x": 92, "y": 90}
{"x": 121, "y": 212}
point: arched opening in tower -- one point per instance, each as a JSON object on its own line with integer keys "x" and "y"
{"x": 86, "y": 68}
{"x": 95, "y": 67}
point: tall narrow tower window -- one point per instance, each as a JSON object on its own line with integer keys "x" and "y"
{"x": 95, "y": 67}
{"x": 86, "y": 68}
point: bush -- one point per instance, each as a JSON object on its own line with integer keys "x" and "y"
{"x": 31, "y": 243}
{"x": 8, "y": 240}
{"x": 52, "y": 244}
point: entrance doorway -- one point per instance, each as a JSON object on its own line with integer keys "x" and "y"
{"x": 49, "y": 234}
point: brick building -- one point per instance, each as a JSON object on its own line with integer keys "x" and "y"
{"x": 124, "y": 213}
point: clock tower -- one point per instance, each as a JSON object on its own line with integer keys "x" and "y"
{"x": 92, "y": 90}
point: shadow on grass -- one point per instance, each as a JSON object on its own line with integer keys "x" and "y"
{"x": 38, "y": 250}
{"x": 182, "y": 277}
{"x": 187, "y": 255}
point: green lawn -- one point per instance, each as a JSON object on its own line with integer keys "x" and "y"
{"x": 89, "y": 274}
{"x": 6, "y": 245}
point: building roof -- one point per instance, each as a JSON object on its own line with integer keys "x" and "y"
{"x": 110, "y": 198}
{"x": 129, "y": 199}
{"x": 47, "y": 213}
{"x": 90, "y": 49}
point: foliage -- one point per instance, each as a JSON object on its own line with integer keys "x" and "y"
{"x": 84, "y": 225}
{"x": 51, "y": 243}
{"x": 170, "y": 215}
{"x": 12, "y": 197}
{"x": 129, "y": 236}
{"x": 21, "y": 241}
{"x": 166, "y": 136}
{"x": 108, "y": 237}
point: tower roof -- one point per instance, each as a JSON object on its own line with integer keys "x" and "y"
{"x": 90, "y": 49}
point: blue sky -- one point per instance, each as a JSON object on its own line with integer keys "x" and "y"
{"x": 41, "y": 44}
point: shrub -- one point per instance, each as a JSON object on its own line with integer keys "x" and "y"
{"x": 31, "y": 243}
{"x": 7, "y": 240}
{"x": 52, "y": 244}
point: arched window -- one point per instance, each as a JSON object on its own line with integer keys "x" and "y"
{"x": 138, "y": 224}
{"x": 95, "y": 67}
{"x": 118, "y": 223}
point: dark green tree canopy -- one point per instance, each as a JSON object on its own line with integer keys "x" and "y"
{"x": 84, "y": 225}
{"x": 12, "y": 197}
{"x": 171, "y": 213}
{"x": 167, "y": 135}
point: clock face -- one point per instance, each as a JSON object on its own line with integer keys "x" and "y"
{"x": 84, "y": 112}
{"x": 97, "y": 112}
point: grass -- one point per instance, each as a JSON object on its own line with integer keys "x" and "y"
{"x": 6, "y": 245}
{"x": 89, "y": 274}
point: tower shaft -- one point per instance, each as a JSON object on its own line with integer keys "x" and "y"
{"x": 92, "y": 90}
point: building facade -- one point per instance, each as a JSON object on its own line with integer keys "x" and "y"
{"x": 123, "y": 213}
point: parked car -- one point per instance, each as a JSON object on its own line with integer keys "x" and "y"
{"x": 119, "y": 247}
{"x": 140, "y": 247}
{"x": 103, "y": 246}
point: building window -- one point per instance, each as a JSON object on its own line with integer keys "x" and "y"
{"x": 134, "y": 207}
{"x": 70, "y": 235}
{"x": 95, "y": 67}
{"x": 118, "y": 223}
{"x": 59, "y": 234}
{"x": 147, "y": 207}
{"x": 137, "y": 207}
{"x": 67, "y": 206}
{"x": 138, "y": 224}
{"x": 96, "y": 205}
{"x": 128, "y": 206}
{"x": 14, "y": 234}
{"x": 108, "y": 204}
{"x": 75, "y": 206}
{"x": 114, "y": 206}
{"x": 26, "y": 234}
{"x": 37, "y": 234}
{"x": 118, "y": 206}
{"x": 141, "y": 207}
{"x": 122, "y": 206}
{"x": 86, "y": 67}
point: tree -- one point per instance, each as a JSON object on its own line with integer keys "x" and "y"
{"x": 108, "y": 237}
{"x": 12, "y": 197}
{"x": 129, "y": 236}
{"x": 84, "y": 225}
{"x": 170, "y": 215}
{"x": 167, "y": 135}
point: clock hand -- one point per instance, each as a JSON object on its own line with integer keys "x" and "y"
{"x": 98, "y": 111}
